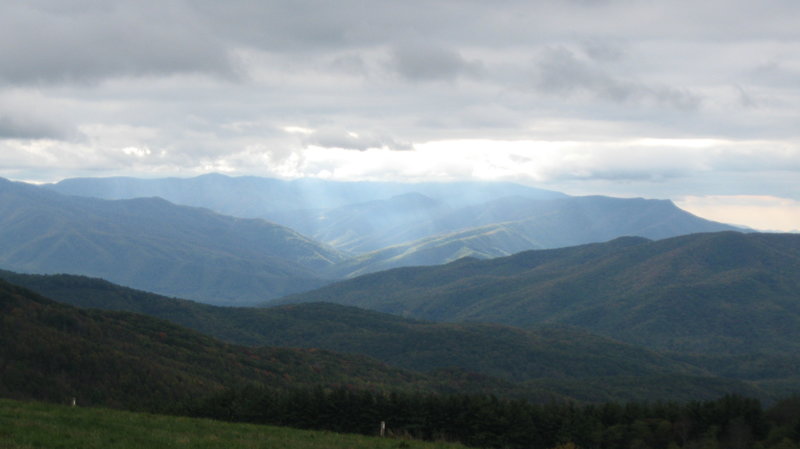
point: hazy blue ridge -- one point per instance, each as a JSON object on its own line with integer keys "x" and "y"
{"x": 388, "y": 225}
{"x": 510, "y": 225}
{"x": 154, "y": 245}
{"x": 249, "y": 261}
{"x": 250, "y": 196}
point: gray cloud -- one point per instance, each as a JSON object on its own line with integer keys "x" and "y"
{"x": 428, "y": 62}
{"x": 746, "y": 100}
{"x": 774, "y": 73}
{"x": 604, "y": 51}
{"x": 351, "y": 64}
{"x": 47, "y": 42}
{"x": 27, "y": 115}
{"x": 15, "y": 127}
{"x": 188, "y": 86}
{"x": 560, "y": 71}
{"x": 340, "y": 138}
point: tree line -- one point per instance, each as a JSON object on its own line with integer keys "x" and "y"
{"x": 488, "y": 422}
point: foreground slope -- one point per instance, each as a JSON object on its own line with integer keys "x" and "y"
{"x": 547, "y": 361}
{"x": 59, "y": 427}
{"x": 719, "y": 292}
{"x": 151, "y": 244}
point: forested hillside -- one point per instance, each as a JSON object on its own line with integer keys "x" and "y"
{"x": 716, "y": 293}
{"x": 562, "y": 362}
{"x": 55, "y": 352}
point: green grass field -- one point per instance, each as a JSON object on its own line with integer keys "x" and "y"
{"x": 25, "y": 425}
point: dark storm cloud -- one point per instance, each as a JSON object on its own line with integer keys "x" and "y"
{"x": 562, "y": 72}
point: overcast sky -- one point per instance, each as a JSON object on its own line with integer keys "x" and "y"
{"x": 698, "y": 102}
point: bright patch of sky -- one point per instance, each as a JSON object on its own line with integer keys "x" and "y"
{"x": 695, "y": 102}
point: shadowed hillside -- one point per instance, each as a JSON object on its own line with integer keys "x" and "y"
{"x": 54, "y": 352}
{"x": 548, "y": 361}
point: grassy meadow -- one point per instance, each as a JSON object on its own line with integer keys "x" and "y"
{"x": 25, "y": 425}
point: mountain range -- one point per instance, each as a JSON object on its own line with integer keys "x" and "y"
{"x": 155, "y": 245}
{"x": 258, "y": 197}
{"x": 428, "y": 223}
{"x": 196, "y": 253}
{"x": 512, "y": 224}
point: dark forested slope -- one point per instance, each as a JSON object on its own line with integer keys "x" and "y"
{"x": 549, "y": 361}
{"x": 499, "y": 351}
{"x": 53, "y": 351}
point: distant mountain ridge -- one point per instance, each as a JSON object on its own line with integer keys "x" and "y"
{"x": 258, "y": 197}
{"x": 509, "y": 225}
{"x": 154, "y": 245}
{"x": 388, "y": 225}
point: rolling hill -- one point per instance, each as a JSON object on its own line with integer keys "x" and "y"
{"x": 154, "y": 245}
{"x": 710, "y": 293}
{"x": 53, "y": 351}
{"x": 541, "y": 362}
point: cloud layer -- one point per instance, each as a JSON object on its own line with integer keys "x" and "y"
{"x": 616, "y": 96}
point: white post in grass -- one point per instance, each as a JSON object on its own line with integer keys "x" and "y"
{"x": 74, "y": 402}
{"x": 383, "y": 428}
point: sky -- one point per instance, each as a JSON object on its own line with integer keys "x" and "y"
{"x": 697, "y": 102}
